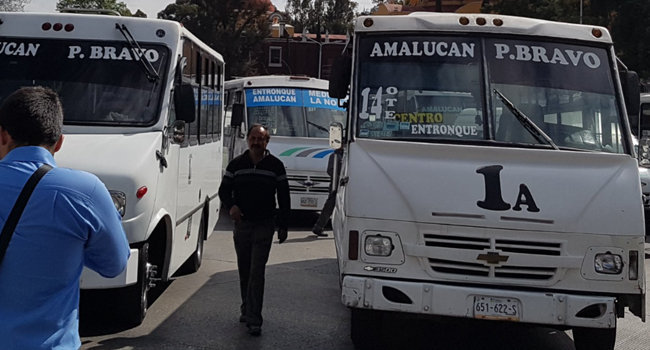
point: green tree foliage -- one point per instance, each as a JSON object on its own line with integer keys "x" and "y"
{"x": 627, "y": 21}
{"x": 234, "y": 28}
{"x": 320, "y": 16}
{"x": 12, "y": 5}
{"x": 95, "y": 4}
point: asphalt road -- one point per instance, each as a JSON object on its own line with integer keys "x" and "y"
{"x": 302, "y": 310}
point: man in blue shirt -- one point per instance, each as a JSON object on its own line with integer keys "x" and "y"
{"x": 69, "y": 221}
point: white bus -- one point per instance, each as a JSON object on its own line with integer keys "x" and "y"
{"x": 487, "y": 173}
{"x": 142, "y": 105}
{"x": 297, "y": 111}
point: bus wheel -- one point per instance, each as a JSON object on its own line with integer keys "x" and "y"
{"x": 365, "y": 328}
{"x": 594, "y": 338}
{"x": 197, "y": 257}
{"x": 134, "y": 298}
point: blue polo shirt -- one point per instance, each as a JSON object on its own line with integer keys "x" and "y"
{"x": 70, "y": 221}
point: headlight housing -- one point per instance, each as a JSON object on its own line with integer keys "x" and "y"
{"x": 119, "y": 200}
{"x": 608, "y": 263}
{"x": 378, "y": 245}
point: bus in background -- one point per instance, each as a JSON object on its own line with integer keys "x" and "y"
{"x": 142, "y": 104}
{"x": 297, "y": 111}
{"x": 488, "y": 172}
{"x": 643, "y": 135}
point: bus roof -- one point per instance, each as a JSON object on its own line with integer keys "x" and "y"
{"x": 480, "y": 23}
{"x": 277, "y": 80}
{"x": 76, "y": 26}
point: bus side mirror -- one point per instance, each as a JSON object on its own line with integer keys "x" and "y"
{"x": 336, "y": 136}
{"x": 185, "y": 103}
{"x": 340, "y": 77}
{"x": 237, "y": 116}
{"x": 631, "y": 93}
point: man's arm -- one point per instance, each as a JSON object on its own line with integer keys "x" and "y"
{"x": 284, "y": 198}
{"x": 107, "y": 249}
{"x": 226, "y": 187}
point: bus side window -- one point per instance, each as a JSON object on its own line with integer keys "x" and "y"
{"x": 205, "y": 123}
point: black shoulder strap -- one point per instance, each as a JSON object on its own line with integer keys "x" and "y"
{"x": 19, "y": 206}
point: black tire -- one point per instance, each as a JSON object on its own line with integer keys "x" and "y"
{"x": 366, "y": 328}
{"x": 197, "y": 256}
{"x": 594, "y": 338}
{"x": 134, "y": 299}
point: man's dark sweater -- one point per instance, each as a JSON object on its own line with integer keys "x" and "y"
{"x": 252, "y": 187}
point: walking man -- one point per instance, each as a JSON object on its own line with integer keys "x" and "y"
{"x": 68, "y": 222}
{"x": 250, "y": 185}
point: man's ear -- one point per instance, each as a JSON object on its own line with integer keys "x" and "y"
{"x": 5, "y": 138}
{"x": 6, "y": 142}
{"x": 57, "y": 145}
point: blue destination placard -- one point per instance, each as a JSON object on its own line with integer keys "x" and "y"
{"x": 275, "y": 96}
{"x": 279, "y": 96}
{"x": 320, "y": 99}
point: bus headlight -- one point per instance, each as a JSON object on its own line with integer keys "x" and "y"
{"x": 608, "y": 263}
{"x": 119, "y": 200}
{"x": 378, "y": 245}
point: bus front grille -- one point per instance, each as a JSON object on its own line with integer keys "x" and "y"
{"x": 476, "y": 247}
{"x": 308, "y": 183}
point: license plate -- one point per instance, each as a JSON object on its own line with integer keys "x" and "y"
{"x": 310, "y": 202}
{"x": 496, "y": 308}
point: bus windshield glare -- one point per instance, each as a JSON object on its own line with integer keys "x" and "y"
{"x": 99, "y": 82}
{"x": 294, "y": 112}
{"x": 444, "y": 89}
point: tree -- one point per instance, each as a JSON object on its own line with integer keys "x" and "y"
{"x": 318, "y": 16}
{"x": 234, "y": 28}
{"x": 12, "y": 5}
{"x": 95, "y": 4}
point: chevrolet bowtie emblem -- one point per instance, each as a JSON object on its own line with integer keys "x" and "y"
{"x": 492, "y": 258}
{"x": 307, "y": 183}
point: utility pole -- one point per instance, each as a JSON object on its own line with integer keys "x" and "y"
{"x": 580, "y": 11}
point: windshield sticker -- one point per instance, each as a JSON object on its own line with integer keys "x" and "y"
{"x": 419, "y": 117}
{"x": 449, "y": 130}
{"x": 18, "y": 49}
{"x": 437, "y": 115}
{"x": 551, "y": 55}
{"x": 112, "y": 53}
{"x": 422, "y": 48}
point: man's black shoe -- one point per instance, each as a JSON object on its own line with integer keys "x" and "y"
{"x": 254, "y": 330}
{"x": 319, "y": 232}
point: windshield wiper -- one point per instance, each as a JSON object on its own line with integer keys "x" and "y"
{"x": 318, "y": 126}
{"x": 528, "y": 124}
{"x": 149, "y": 70}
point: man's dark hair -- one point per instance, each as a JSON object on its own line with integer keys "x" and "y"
{"x": 258, "y": 125}
{"x": 33, "y": 116}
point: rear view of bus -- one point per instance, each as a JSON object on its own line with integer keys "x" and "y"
{"x": 297, "y": 111}
{"x": 142, "y": 111}
{"x": 488, "y": 173}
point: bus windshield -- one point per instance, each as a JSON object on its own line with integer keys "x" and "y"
{"x": 446, "y": 89}
{"x": 295, "y": 112}
{"x": 99, "y": 82}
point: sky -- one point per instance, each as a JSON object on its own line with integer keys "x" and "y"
{"x": 152, "y": 7}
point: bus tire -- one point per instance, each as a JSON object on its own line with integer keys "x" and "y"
{"x": 134, "y": 299}
{"x": 365, "y": 328}
{"x": 594, "y": 338}
{"x": 197, "y": 256}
